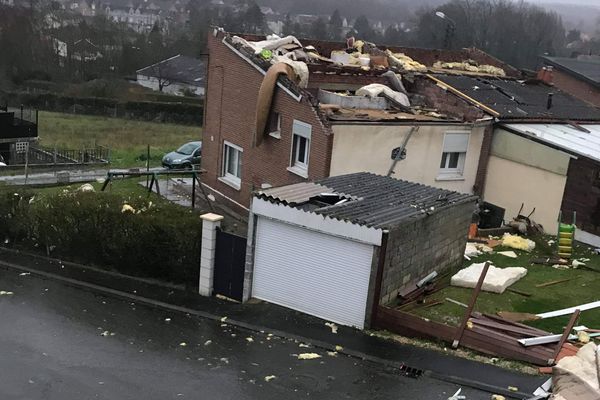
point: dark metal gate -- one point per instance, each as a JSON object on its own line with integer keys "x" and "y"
{"x": 230, "y": 260}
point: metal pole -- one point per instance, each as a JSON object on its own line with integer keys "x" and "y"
{"x": 193, "y": 190}
{"x": 147, "y": 163}
{"x": 26, "y": 163}
{"x": 399, "y": 156}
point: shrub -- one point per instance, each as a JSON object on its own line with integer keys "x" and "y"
{"x": 156, "y": 241}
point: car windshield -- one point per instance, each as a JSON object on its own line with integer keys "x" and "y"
{"x": 187, "y": 149}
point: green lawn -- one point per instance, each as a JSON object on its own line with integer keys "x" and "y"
{"x": 584, "y": 287}
{"x": 127, "y": 139}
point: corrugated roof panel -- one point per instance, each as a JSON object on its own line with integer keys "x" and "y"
{"x": 379, "y": 201}
{"x": 565, "y": 137}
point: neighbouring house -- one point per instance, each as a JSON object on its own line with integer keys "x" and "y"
{"x": 322, "y": 129}
{"x": 18, "y": 129}
{"x": 538, "y": 158}
{"x": 578, "y": 76}
{"x": 178, "y": 75}
{"x": 339, "y": 247}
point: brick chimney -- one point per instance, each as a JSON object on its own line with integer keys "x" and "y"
{"x": 546, "y": 75}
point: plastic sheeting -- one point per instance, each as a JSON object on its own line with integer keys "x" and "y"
{"x": 578, "y": 377}
{"x": 496, "y": 279}
{"x": 376, "y": 89}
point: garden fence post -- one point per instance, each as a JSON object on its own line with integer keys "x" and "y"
{"x": 210, "y": 223}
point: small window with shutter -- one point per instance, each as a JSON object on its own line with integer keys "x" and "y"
{"x": 454, "y": 154}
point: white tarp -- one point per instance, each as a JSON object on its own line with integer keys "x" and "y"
{"x": 496, "y": 279}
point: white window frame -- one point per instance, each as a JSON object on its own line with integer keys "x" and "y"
{"x": 304, "y": 130}
{"x": 226, "y": 177}
{"x": 457, "y": 173}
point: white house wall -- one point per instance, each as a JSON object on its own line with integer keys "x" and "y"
{"x": 368, "y": 148}
{"x": 521, "y": 171}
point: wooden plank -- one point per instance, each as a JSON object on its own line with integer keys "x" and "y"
{"x": 535, "y": 331}
{"x": 546, "y": 284}
{"x": 519, "y": 292}
{"x": 505, "y": 327}
{"x": 463, "y": 324}
{"x": 566, "y": 334}
{"x": 464, "y": 96}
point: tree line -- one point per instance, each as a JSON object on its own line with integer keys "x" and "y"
{"x": 515, "y": 32}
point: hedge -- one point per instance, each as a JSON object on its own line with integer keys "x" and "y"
{"x": 179, "y": 113}
{"x": 153, "y": 241}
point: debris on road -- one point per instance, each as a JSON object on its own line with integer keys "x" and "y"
{"x": 332, "y": 326}
{"x": 308, "y": 356}
{"x": 208, "y": 342}
{"x": 457, "y": 395}
{"x": 249, "y": 339}
{"x": 5, "y": 293}
{"x": 269, "y": 378}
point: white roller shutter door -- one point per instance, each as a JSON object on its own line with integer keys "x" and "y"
{"x": 318, "y": 274}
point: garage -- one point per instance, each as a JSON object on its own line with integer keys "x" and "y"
{"x": 339, "y": 247}
{"x": 334, "y": 270}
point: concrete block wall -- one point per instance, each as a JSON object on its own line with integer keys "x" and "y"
{"x": 419, "y": 247}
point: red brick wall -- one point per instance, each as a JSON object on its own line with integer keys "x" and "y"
{"x": 232, "y": 89}
{"x": 576, "y": 87}
{"x": 582, "y": 194}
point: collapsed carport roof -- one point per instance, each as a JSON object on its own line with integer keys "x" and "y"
{"x": 367, "y": 199}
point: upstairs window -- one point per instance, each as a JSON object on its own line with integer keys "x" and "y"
{"x": 454, "y": 154}
{"x": 301, "y": 135}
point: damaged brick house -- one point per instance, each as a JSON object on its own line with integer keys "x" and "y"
{"x": 258, "y": 136}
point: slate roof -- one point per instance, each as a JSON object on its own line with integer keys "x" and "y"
{"x": 373, "y": 200}
{"x": 587, "y": 69}
{"x": 518, "y": 100}
{"x": 180, "y": 69}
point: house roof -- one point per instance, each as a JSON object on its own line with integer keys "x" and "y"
{"x": 587, "y": 69}
{"x": 565, "y": 137}
{"x": 179, "y": 68}
{"x": 520, "y": 100}
{"x": 370, "y": 200}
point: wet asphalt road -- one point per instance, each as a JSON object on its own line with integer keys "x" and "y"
{"x": 60, "y": 342}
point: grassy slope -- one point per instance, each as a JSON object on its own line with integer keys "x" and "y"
{"x": 584, "y": 287}
{"x": 127, "y": 139}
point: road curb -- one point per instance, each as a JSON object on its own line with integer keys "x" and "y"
{"x": 257, "y": 328}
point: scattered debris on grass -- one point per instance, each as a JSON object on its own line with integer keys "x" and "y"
{"x": 517, "y": 242}
{"x": 510, "y": 254}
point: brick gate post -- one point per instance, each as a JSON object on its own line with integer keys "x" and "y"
{"x": 210, "y": 223}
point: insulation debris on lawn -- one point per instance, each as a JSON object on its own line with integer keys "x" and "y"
{"x": 476, "y": 249}
{"x": 496, "y": 279}
{"x": 308, "y": 356}
{"x": 517, "y": 242}
{"x": 510, "y": 254}
{"x": 578, "y": 377}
